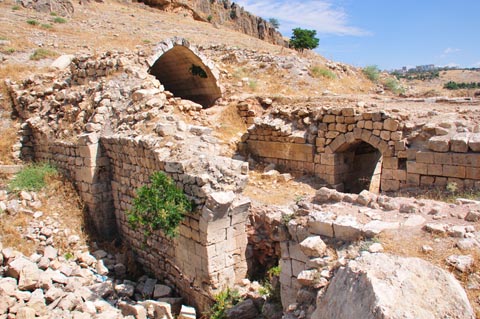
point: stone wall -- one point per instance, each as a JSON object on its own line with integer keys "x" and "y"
{"x": 209, "y": 252}
{"x": 328, "y": 142}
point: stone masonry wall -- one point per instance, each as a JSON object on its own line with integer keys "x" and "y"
{"x": 319, "y": 145}
{"x": 209, "y": 252}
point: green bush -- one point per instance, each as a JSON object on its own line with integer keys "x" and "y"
{"x": 394, "y": 86}
{"x": 32, "y": 177}
{"x": 209, "y": 18}
{"x": 161, "y": 205}
{"x": 224, "y": 301}
{"x": 53, "y": 14}
{"x": 59, "y": 20}
{"x": 33, "y": 22}
{"x": 47, "y": 26}
{"x": 372, "y": 72}
{"x": 317, "y": 72}
{"x": 40, "y": 54}
{"x": 271, "y": 287}
{"x": 274, "y": 22}
{"x": 15, "y": 8}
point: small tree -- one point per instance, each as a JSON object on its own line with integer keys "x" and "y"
{"x": 304, "y": 39}
{"x": 274, "y": 22}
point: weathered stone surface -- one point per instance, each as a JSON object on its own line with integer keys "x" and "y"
{"x": 243, "y": 310}
{"x": 308, "y": 277}
{"x": 474, "y": 142}
{"x": 161, "y": 291}
{"x": 187, "y": 313}
{"x": 321, "y": 223}
{"x": 347, "y": 228}
{"x": 459, "y": 143}
{"x": 313, "y": 246}
{"x": 288, "y": 151}
{"x": 62, "y": 62}
{"x": 462, "y": 263}
{"x": 383, "y": 286}
{"x": 439, "y": 143}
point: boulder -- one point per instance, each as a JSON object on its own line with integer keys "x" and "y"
{"x": 243, "y": 310}
{"x": 383, "y": 286}
{"x": 62, "y": 62}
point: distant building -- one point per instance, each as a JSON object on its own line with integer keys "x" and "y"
{"x": 424, "y": 68}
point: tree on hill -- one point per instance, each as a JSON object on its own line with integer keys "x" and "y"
{"x": 303, "y": 39}
{"x": 274, "y": 22}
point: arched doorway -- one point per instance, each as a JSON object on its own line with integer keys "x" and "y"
{"x": 362, "y": 164}
{"x": 185, "y": 74}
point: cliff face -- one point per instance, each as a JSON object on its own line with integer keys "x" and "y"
{"x": 223, "y": 12}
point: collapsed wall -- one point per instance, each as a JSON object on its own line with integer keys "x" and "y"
{"x": 88, "y": 126}
{"x": 353, "y": 150}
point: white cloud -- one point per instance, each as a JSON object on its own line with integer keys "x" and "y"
{"x": 319, "y": 15}
{"x": 451, "y": 50}
{"x": 477, "y": 64}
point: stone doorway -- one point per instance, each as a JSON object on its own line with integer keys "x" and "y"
{"x": 183, "y": 73}
{"x": 362, "y": 167}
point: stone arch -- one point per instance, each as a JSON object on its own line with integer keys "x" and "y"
{"x": 185, "y": 72}
{"x": 360, "y": 161}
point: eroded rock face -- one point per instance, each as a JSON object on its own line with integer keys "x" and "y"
{"x": 389, "y": 287}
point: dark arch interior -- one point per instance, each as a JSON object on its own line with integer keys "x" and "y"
{"x": 361, "y": 167}
{"x": 184, "y": 74}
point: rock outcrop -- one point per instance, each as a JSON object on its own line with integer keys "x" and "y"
{"x": 223, "y": 12}
{"x": 384, "y": 286}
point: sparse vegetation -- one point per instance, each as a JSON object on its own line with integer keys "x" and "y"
{"x": 15, "y": 8}
{"x": 451, "y": 85}
{"x": 209, "y": 18}
{"x": 59, "y": 20}
{"x": 271, "y": 286}
{"x": 304, "y": 39}
{"x": 161, "y": 205}
{"x": 252, "y": 84}
{"x": 53, "y": 14}
{"x": 372, "y": 72}
{"x": 33, "y": 22}
{"x": 32, "y": 177}
{"x": 318, "y": 72}
{"x": 224, "y": 301}
{"x": 274, "y": 22}
{"x": 41, "y": 53}
{"x": 8, "y": 50}
{"x": 394, "y": 86}
{"x": 47, "y": 26}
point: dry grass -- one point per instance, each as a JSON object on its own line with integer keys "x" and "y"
{"x": 9, "y": 137}
{"x": 409, "y": 244}
{"x": 11, "y": 232}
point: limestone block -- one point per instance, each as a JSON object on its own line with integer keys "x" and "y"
{"x": 416, "y": 168}
{"x": 287, "y": 151}
{"x": 396, "y": 136}
{"x": 348, "y": 111}
{"x": 390, "y": 125}
{"x": 243, "y": 310}
{"x": 329, "y": 118}
{"x": 459, "y": 143}
{"x": 454, "y": 171}
{"x": 425, "y": 157}
{"x": 390, "y": 185}
{"x": 187, "y": 313}
{"x": 321, "y": 223}
{"x": 472, "y": 172}
{"x": 435, "y": 169}
{"x": 474, "y": 142}
{"x": 313, "y": 246}
{"x": 219, "y": 202}
{"x": 308, "y": 277}
{"x": 62, "y": 62}
{"x": 375, "y": 227}
{"x": 439, "y": 143}
{"x": 347, "y": 228}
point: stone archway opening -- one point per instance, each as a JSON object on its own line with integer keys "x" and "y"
{"x": 362, "y": 164}
{"x": 184, "y": 74}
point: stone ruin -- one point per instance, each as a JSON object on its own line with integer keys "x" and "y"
{"x": 107, "y": 123}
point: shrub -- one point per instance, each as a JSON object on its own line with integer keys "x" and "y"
{"x": 32, "y": 177}
{"x": 40, "y": 54}
{"x": 274, "y": 22}
{"x": 9, "y": 51}
{"x": 161, "y": 205}
{"x": 53, "y": 14}
{"x": 394, "y": 86}
{"x": 224, "y": 301}
{"x": 47, "y": 26}
{"x": 317, "y": 72}
{"x": 252, "y": 84}
{"x": 304, "y": 39}
{"x": 372, "y": 72}
{"x": 146, "y": 41}
{"x": 209, "y": 18}
{"x": 271, "y": 287}
{"x": 15, "y": 8}
{"x": 60, "y": 20}
{"x": 33, "y": 22}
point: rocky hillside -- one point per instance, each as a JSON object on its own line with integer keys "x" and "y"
{"x": 223, "y": 12}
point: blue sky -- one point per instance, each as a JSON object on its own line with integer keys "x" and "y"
{"x": 387, "y": 33}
